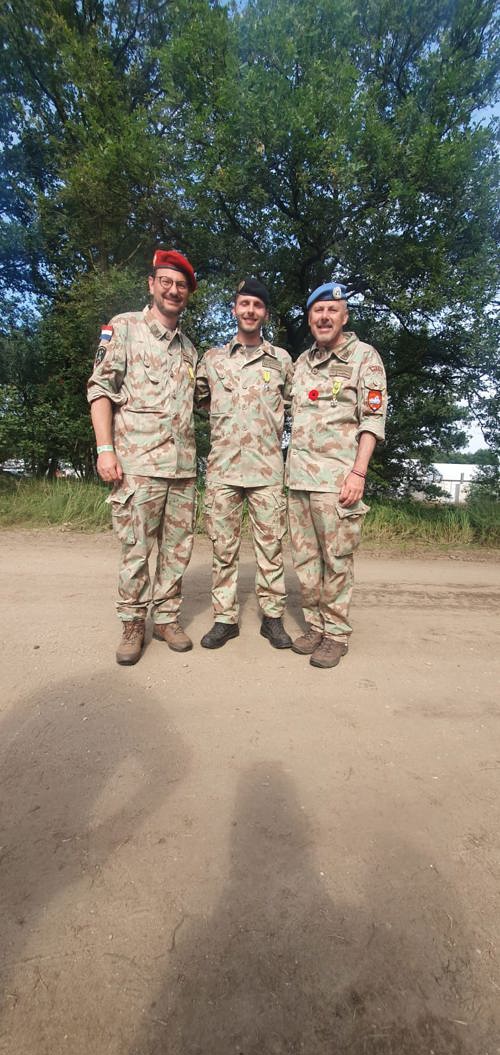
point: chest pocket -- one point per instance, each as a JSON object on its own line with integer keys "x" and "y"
{"x": 154, "y": 368}
{"x": 270, "y": 381}
{"x": 147, "y": 381}
{"x": 318, "y": 386}
{"x": 303, "y": 383}
{"x": 223, "y": 392}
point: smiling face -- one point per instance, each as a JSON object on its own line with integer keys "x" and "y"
{"x": 326, "y": 320}
{"x": 170, "y": 292}
{"x": 251, "y": 314}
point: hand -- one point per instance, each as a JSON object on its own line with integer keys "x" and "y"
{"x": 109, "y": 467}
{"x": 352, "y": 490}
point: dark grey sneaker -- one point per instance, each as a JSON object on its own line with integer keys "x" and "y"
{"x": 219, "y": 634}
{"x": 273, "y": 629}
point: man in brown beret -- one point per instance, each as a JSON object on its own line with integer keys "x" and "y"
{"x": 141, "y": 396}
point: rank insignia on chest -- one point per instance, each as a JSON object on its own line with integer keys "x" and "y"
{"x": 337, "y": 385}
{"x": 266, "y": 374}
{"x": 374, "y": 399}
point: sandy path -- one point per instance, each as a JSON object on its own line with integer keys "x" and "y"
{"x": 231, "y": 853}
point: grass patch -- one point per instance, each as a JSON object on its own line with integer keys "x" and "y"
{"x": 42, "y": 503}
{"x": 82, "y": 507}
{"x": 423, "y": 523}
{"x": 415, "y": 522}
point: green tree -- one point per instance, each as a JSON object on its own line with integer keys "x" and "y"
{"x": 294, "y": 141}
{"x": 486, "y": 484}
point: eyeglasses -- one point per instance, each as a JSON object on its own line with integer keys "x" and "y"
{"x": 167, "y": 283}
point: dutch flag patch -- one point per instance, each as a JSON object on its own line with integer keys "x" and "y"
{"x": 106, "y": 333}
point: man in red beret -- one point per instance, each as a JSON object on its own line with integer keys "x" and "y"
{"x": 141, "y": 396}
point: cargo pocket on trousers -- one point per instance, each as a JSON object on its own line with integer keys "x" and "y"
{"x": 350, "y": 524}
{"x": 280, "y": 521}
{"x": 121, "y": 514}
{"x": 208, "y": 513}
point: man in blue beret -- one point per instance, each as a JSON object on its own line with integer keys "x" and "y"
{"x": 338, "y": 414}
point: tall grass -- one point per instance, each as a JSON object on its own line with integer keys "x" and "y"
{"x": 82, "y": 507}
{"x": 67, "y": 503}
{"x": 407, "y": 522}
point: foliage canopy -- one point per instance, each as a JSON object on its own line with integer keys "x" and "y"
{"x": 292, "y": 141}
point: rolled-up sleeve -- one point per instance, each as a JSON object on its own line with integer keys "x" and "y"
{"x": 110, "y": 366}
{"x": 372, "y": 396}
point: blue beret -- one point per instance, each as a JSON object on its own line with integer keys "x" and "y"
{"x": 329, "y": 291}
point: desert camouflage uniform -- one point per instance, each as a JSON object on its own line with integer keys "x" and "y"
{"x": 248, "y": 389}
{"x": 349, "y": 396}
{"x": 148, "y": 373}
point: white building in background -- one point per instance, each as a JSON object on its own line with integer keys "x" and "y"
{"x": 454, "y": 478}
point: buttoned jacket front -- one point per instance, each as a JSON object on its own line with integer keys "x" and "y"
{"x": 248, "y": 389}
{"x": 148, "y": 373}
{"x": 337, "y": 395}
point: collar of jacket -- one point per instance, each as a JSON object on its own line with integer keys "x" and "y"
{"x": 342, "y": 351}
{"x": 264, "y": 348}
{"x": 157, "y": 328}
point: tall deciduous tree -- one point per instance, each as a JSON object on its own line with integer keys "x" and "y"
{"x": 295, "y": 141}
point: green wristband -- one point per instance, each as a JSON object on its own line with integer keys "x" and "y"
{"x": 105, "y": 447}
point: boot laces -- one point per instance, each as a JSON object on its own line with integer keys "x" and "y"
{"x": 311, "y": 633}
{"x": 132, "y": 628}
{"x": 329, "y": 644}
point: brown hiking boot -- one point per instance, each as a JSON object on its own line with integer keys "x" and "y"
{"x": 130, "y": 647}
{"x": 306, "y": 643}
{"x": 174, "y": 635}
{"x": 328, "y": 653}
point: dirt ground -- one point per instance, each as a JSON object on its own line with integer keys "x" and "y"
{"x": 233, "y": 853}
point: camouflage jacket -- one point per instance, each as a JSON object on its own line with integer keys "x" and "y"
{"x": 248, "y": 390}
{"x": 148, "y": 373}
{"x": 337, "y": 395}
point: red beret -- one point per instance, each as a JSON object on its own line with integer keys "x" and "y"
{"x": 170, "y": 258}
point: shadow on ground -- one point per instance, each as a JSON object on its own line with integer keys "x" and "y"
{"x": 283, "y": 967}
{"x": 82, "y": 766}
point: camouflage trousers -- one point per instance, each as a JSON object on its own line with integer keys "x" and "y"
{"x": 267, "y": 512}
{"x": 146, "y": 509}
{"x": 324, "y": 536}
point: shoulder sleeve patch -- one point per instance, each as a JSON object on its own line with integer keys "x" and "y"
{"x": 100, "y": 355}
{"x": 374, "y": 399}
